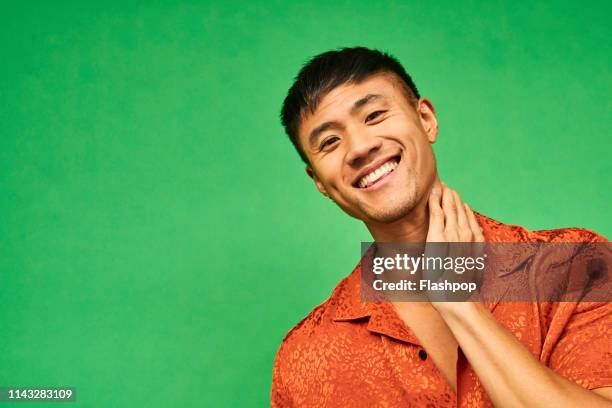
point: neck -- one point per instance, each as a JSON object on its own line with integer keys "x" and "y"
{"x": 411, "y": 228}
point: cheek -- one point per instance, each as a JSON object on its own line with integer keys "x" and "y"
{"x": 417, "y": 145}
{"x": 329, "y": 171}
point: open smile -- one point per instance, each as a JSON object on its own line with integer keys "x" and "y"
{"x": 378, "y": 174}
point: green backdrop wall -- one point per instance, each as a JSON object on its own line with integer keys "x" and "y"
{"x": 158, "y": 234}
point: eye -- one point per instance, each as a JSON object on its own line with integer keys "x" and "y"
{"x": 374, "y": 115}
{"x": 328, "y": 142}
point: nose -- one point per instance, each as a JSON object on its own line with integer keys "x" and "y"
{"x": 361, "y": 148}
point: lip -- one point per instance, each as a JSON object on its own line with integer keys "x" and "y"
{"x": 371, "y": 168}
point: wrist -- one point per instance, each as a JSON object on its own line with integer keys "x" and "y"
{"x": 462, "y": 311}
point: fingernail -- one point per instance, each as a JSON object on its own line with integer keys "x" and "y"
{"x": 435, "y": 191}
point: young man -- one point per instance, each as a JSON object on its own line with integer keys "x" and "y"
{"x": 365, "y": 134}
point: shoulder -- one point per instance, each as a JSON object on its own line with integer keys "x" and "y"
{"x": 496, "y": 231}
{"x": 567, "y": 235}
{"x": 315, "y": 324}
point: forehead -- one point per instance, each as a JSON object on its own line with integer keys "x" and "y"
{"x": 339, "y": 101}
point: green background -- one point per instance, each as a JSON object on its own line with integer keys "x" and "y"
{"x": 158, "y": 234}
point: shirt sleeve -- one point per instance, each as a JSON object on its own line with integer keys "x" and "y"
{"x": 583, "y": 353}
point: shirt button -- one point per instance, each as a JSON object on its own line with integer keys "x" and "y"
{"x": 422, "y": 354}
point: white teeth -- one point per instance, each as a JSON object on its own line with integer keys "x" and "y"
{"x": 376, "y": 174}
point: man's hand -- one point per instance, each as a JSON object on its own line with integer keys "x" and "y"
{"x": 450, "y": 219}
{"x": 451, "y": 223}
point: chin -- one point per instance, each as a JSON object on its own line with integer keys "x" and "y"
{"x": 391, "y": 215}
{"x": 385, "y": 210}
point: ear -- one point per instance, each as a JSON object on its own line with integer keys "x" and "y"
{"x": 316, "y": 180}
{"x": 427, "y": 116}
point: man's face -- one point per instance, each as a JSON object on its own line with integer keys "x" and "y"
{"x": 370, "y": 149}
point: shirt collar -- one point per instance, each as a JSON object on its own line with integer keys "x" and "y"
{"x": 381, "y": 316}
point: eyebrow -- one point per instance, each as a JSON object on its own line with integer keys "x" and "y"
{"x": 360, "y": 103}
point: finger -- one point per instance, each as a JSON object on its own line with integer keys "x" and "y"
{"x": 450, "y": 213}
{"x": 476, "y": 230}
{"x": 437, "y": 183}
{"x": 465, "y": 232}
{"x": 436, "y": 214}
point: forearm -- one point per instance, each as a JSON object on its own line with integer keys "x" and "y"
{"x": 508, "y": 371}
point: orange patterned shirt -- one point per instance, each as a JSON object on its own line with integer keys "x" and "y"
{"x": 349, "y": 353}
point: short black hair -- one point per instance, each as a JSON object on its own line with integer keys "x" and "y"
{"x": 328, "y": 70}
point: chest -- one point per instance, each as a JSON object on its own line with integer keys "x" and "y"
{"x": 365, "y": 368}
{"x": 435, "y": 338}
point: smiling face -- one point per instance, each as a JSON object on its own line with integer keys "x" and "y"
{"x": 370, "y": 150}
